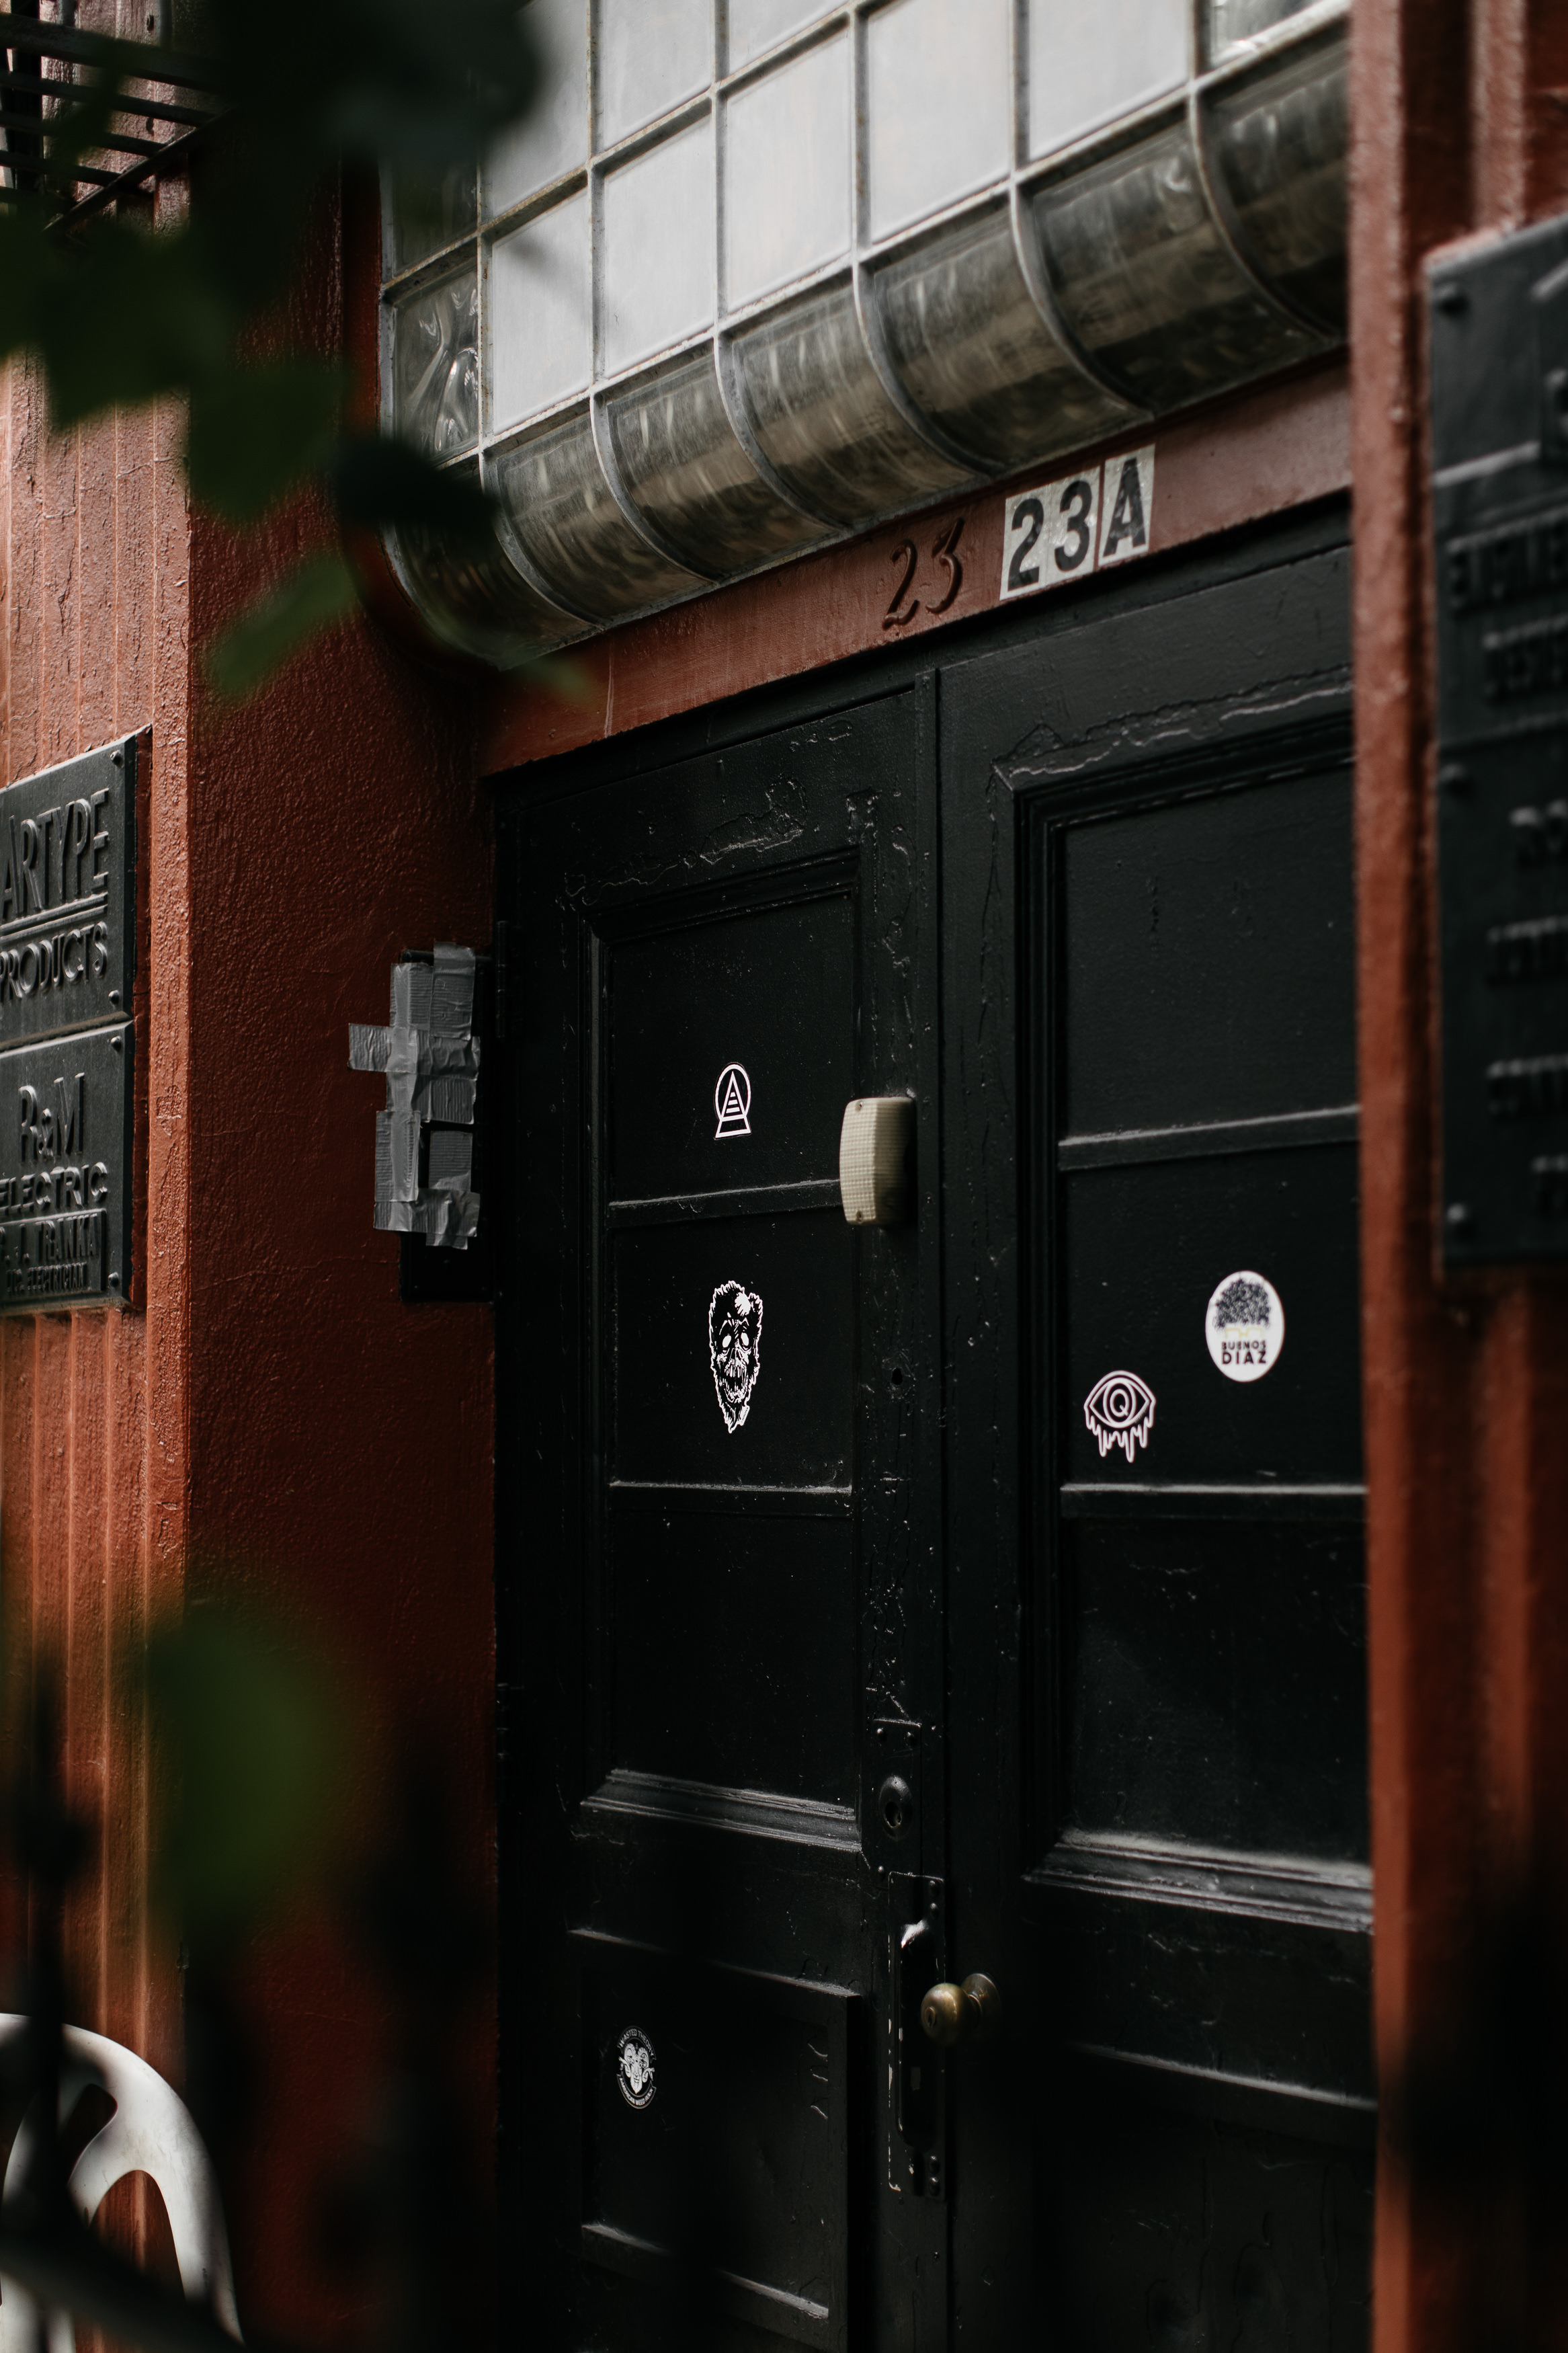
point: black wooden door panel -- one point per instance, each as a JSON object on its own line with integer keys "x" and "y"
{"x": 1158, "y": 1842}
{"x": 791, "y": 1410}
{"x": 736, "y": 1651}
{"x": 718, "y": 1537}
{"x": 1206, "y": 1667}
{"x": 731, "y": 2163}
{"x": 1205, "y": 971}
{"x": 770, "y": 992}
{"x": 1138, "y": 1245}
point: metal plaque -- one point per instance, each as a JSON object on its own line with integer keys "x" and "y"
{"x": 67, "y": 880}
{"x": 1499, "y": 421}
{"x": 65, "y": 1169}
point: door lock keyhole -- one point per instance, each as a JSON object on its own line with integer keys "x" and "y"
{"x": 895, "y": 1803}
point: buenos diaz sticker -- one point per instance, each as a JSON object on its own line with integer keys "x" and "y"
{"x": 1245, "y": 1326}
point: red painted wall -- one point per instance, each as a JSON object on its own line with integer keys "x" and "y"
{"x": 274, "y": 1422}
{"x": 1459, "y": 128}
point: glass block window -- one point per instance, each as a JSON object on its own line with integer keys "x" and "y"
{"x": 755, "y": 273}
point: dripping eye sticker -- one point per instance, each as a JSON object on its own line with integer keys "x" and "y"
{"x": 1245, "y": 1326}
{"x": 1120, "y": 1411}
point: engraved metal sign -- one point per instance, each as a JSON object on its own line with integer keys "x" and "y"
{"x": 1500, "y": 414}
{"x": 67, "y": 878}
{"x": 65, "y": 1169}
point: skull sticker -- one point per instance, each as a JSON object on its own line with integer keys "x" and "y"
{"x": 636, "y": 2068}
{"x": 734, "y": 1349}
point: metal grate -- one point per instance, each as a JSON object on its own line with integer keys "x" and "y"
{"x": 164, "y": 105}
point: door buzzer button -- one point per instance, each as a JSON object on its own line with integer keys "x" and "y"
{"x": 876, "y": 1154}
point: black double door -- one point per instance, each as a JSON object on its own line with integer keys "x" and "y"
{"x": 979, "y": 1594}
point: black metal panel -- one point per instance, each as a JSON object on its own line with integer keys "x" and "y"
{"x": 1499, "y": 402}
{"x": 64, "y": 1170}
{"x": 67, "y": 894}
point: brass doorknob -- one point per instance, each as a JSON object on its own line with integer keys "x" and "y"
{"x": 962, "y": 2013}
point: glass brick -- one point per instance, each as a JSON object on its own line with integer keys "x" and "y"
{"x": 683, "y": 468}
{"x": 789, "y": 130}
{"x": 1149, "y": 285}
{"x": 964, "y": 333}
{"x": 657, "y": 257}
{"x": 1231, "y": 23}
{"x": 570, "y": 528}
{"x": 757, "y": 25}
{"x": 435, "y": 365}
{"x": 1086, "y": 68}
{"x": 941, "y": 95}
{"x": 1282, "y": 141}
{"x": 423, "y": 214}
{"x": 650, "y": 54}
{"x": 552, "y": 137}
{"x": 541, "y": 314}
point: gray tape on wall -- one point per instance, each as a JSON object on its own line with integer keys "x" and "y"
{"x": 424, "y": 1139}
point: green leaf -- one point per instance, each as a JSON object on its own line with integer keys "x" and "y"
{"x": 321, "y": 592}
{"x": 374, "y": 481}
{"x": 253, "y": 433}
{"x": 251, "y": 1737}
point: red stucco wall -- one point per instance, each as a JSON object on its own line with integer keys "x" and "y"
{"x": 1460, "y": 128}
{"x": 274, "y": 1422}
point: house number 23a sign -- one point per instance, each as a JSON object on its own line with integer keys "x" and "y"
{"x": 1067, "y": 529}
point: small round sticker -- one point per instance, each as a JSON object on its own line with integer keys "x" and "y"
{"x": 1245, "y": 1326}
{"x": 635, "y": 2072}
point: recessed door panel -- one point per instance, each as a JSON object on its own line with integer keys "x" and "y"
{"x": 735, "y": 1351}
{"x": 732, "y": 1050}
{"x": 1172, "y": 2229}
{"x": 1206, "y": 966}
{"x": 1215, "y": 1680}
{"x": 1145, "y": 1250}
{"x": 716, "y": 2150}
{"x": 735, "y": 1650}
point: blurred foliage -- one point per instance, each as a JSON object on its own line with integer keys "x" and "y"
{"x": 253, "y": 1739}
{"x": 115, "y": 313}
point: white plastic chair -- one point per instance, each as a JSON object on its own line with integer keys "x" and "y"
{"x": 150, "y": 2131}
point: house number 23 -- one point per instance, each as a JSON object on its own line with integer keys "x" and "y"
{"x": 903, "y": 605}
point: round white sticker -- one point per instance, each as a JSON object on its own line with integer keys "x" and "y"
{"x": 636, "y": 2071}
{"x": 1245, "y": 1326}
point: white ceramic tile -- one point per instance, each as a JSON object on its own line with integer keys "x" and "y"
{"x": 1087, "y": 65}
{"x": 657, "y": 260}
{"x": 552, "y": 138}
{"x": 940, "y": 103}
{"x": 757, "y": 25}
{"x": 788, "y": 159}
{"x": 650, "y": 54}
{"x": 540, "y": 317}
